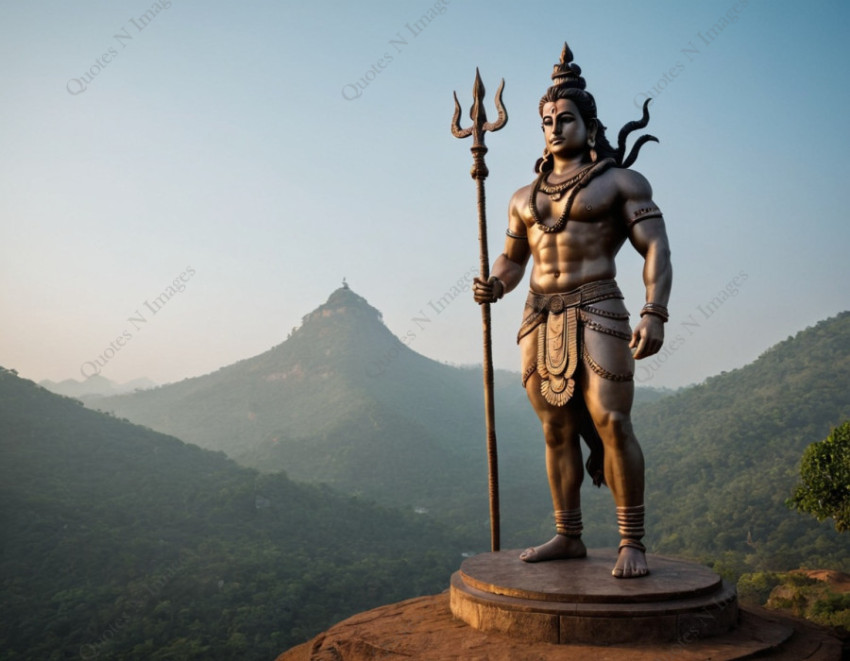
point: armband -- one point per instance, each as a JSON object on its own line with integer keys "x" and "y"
{"x": 515, "y": 236}
{"x": 643, "y": 214}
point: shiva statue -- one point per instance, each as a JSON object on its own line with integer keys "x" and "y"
{"x": 576, "y": 344}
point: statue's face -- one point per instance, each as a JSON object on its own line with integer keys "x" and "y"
{"x": 564, "y": 128}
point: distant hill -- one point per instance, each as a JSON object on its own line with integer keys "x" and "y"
{"x": 120, "y": 542}
{"x": 95, "y": 385}
{"x": 345, "y": 402}
{"x": 723, "y": 456}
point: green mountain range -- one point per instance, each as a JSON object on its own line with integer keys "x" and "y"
{"x": 723, "y": 456}
{"x": 123, "y": 543}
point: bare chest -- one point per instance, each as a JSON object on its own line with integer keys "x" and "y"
{"x": 587, "y": 215}
{"x": 593, "y": 204}
{"x": 574, "y": 224}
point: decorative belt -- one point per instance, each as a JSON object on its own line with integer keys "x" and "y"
{"x": 558, "y": 343}
{"x": 592, "y": 292}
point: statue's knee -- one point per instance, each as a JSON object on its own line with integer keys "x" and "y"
{"x": 557, "y": 435}
{"x": 616, "y": 428}
{"x": 551, "y": 436}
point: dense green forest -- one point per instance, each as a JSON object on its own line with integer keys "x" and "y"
{"x": 723, "y": 457}
{"x": 123, "y": 543}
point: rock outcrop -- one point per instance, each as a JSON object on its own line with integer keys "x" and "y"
{"x": 424, "y": 629}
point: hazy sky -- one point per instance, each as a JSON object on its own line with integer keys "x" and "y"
{"x": 227, "y": 150}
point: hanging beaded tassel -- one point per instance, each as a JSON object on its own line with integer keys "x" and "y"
{"x": 568, "y": 522}
{"x": 630, "y": 521}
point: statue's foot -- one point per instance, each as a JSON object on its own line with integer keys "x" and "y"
{"x": 559, "y": 547}
{"x": 631, "y": 561}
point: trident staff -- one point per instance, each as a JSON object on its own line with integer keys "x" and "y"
{"x": 479, "y": 172}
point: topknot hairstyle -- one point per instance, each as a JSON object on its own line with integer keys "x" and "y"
{"x": 568, "y": 83}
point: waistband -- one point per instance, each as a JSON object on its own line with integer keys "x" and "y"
{"x": 591, "y": 292}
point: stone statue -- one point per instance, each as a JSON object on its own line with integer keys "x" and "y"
{"x": 577, "y": 347}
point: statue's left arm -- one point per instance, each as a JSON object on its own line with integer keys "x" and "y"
{"x": 648, "y": 234}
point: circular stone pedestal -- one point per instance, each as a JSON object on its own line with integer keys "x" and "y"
{"x": 579, "y": 601}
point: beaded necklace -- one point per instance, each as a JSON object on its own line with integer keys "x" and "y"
{"x": 555, "y": 191}
{"x": 574, "y": 184}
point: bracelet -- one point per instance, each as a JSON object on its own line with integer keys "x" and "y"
{"x": 657, "y": 310}
{"x": 501, "y": 287}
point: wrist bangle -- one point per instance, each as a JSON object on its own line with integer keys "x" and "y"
{"x": 657, "y": 310}
{"x": 501, "y": 289}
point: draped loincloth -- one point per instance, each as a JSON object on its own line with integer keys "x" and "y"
{"x": 559, "y": 320}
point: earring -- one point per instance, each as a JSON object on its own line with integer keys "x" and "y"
{"x": 591, "y": 143}
{"x": 544, "y": 164}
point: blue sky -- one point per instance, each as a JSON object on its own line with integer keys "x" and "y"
{"x": 220, "y": 143}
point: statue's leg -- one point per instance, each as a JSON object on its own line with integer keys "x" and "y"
{"x": 565, "y": 471}
{"x": 609, "y": 397}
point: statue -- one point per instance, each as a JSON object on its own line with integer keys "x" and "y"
{"x": 575, "y": 341}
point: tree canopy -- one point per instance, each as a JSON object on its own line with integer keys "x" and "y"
{"x": 824, "y": 488}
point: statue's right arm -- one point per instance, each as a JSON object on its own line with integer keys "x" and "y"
{"x": 509, "y": 267}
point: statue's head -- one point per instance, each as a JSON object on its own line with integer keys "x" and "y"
{"x": 568, "y": 84}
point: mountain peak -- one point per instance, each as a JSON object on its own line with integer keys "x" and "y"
{"x": 342, "y": 301}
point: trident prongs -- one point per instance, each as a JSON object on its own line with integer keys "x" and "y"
{"x": 480, "y": 125}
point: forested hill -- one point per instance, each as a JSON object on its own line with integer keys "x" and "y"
{"x": 723, "y": 456}
{"x": 335, "y": 367}
{"x": 122, "y": 543}
{"x": 345, "y": 402}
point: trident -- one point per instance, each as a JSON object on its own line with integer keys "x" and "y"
{"x": 479, "y": 172}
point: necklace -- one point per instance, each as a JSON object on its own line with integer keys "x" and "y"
{"x": 556, "y": 191}
{"x": 574, "y": 184}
